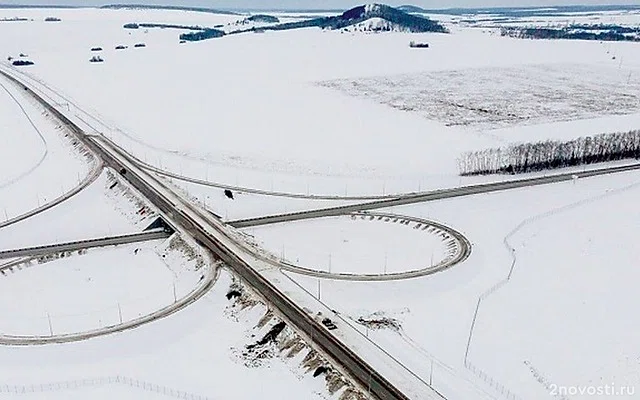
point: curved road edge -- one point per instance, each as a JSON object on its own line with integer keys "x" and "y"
{"x": 210, "y": 278}
{"x": 93, "y": 175}
{"x": 263, "y": 192}
{"x": 88, "y": 180}
{"x": 431, "y": 196}
{"x": 216, "y": 236}
{"x": 463, "y": 245}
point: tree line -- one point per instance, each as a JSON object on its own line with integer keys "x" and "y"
{"x": 551, "y": 154}
{"x": 576, "y": 32}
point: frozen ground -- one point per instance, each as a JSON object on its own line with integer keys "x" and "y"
{"x": 187, "y": 352}
{"x": 501, "y": 97}
{"x": 628, "y": 18}
{"x": 352, "y": 245}
{"x": 291, "y": 135}
{"x": 38, "y": 161}
{"x": 95, "y": 212}
{"x": 116, "y": 284}
{"x": 576, "y": 272}
{"x": 20, "y": 138}
{"x": 324, "y": 141}
{"x": 552, "y": 296}
{"x": 90, "y": 290}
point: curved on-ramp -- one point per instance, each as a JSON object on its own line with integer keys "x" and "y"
{"x": 263, "y": 192}
{"x": 86, "y": 181}
{"x": 461, "y": 252}
{"x": 206, "y": 283}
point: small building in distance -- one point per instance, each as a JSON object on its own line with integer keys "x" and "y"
{"x": 417, "y": 45}
{"x": 22, "y": 63}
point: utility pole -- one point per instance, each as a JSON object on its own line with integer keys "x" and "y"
{"x": 431, "y": 374}
{"x": 384, "y": 271}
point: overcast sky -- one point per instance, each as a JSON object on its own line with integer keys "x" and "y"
{"x": 320, "y": 4}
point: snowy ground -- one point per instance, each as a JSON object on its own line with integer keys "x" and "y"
{"x": 326, "y": 142}
{"x": 551, "y": 297}
{"x": 494, "y": 98}
{"x": 629, "y": 18}
{"x": 248, "y": 205}
{"x": 353, "y": 246}
{"x": 95, "y": 212}
{"x": 38, "y": 161}
{"x": 207, "y": 111}
{"x": 108, "y": 281}
{"x": 187, "y": 353}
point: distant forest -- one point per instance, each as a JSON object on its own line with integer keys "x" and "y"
{"x": 551, "y": 154}
{"x": 576, "y": 32}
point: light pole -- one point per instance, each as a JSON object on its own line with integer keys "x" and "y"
{"x": 384, "y": 271}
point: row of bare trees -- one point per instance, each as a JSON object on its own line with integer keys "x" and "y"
{"x": 551, "y": 154}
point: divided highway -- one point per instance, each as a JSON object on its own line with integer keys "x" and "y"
{"x": 429, "y": 196}
{"x": 85, "y": 244}
{"x": 217, "y": 237}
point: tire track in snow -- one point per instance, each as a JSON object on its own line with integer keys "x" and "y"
{"x": 11, "y": 181}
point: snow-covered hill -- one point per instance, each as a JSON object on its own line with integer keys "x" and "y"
{"x": 372, "y": 16}
{"x": 376, "y": 24}
{"x": 380, "y": 17}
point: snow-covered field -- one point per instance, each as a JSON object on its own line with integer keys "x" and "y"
{"x": 91, "y": 291}
{"x": 324, "y": 141}
{"x": 51, "y": 164}
{"x": 255, "y": 111}
{"x": 629, "y": 18}
{"x": 197, "y": 351}
{"x": 354, "y": 246}
{"x": 490, "y": 98}
{"x": 574, "y": 272}
{"x": 95, "y": 212}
